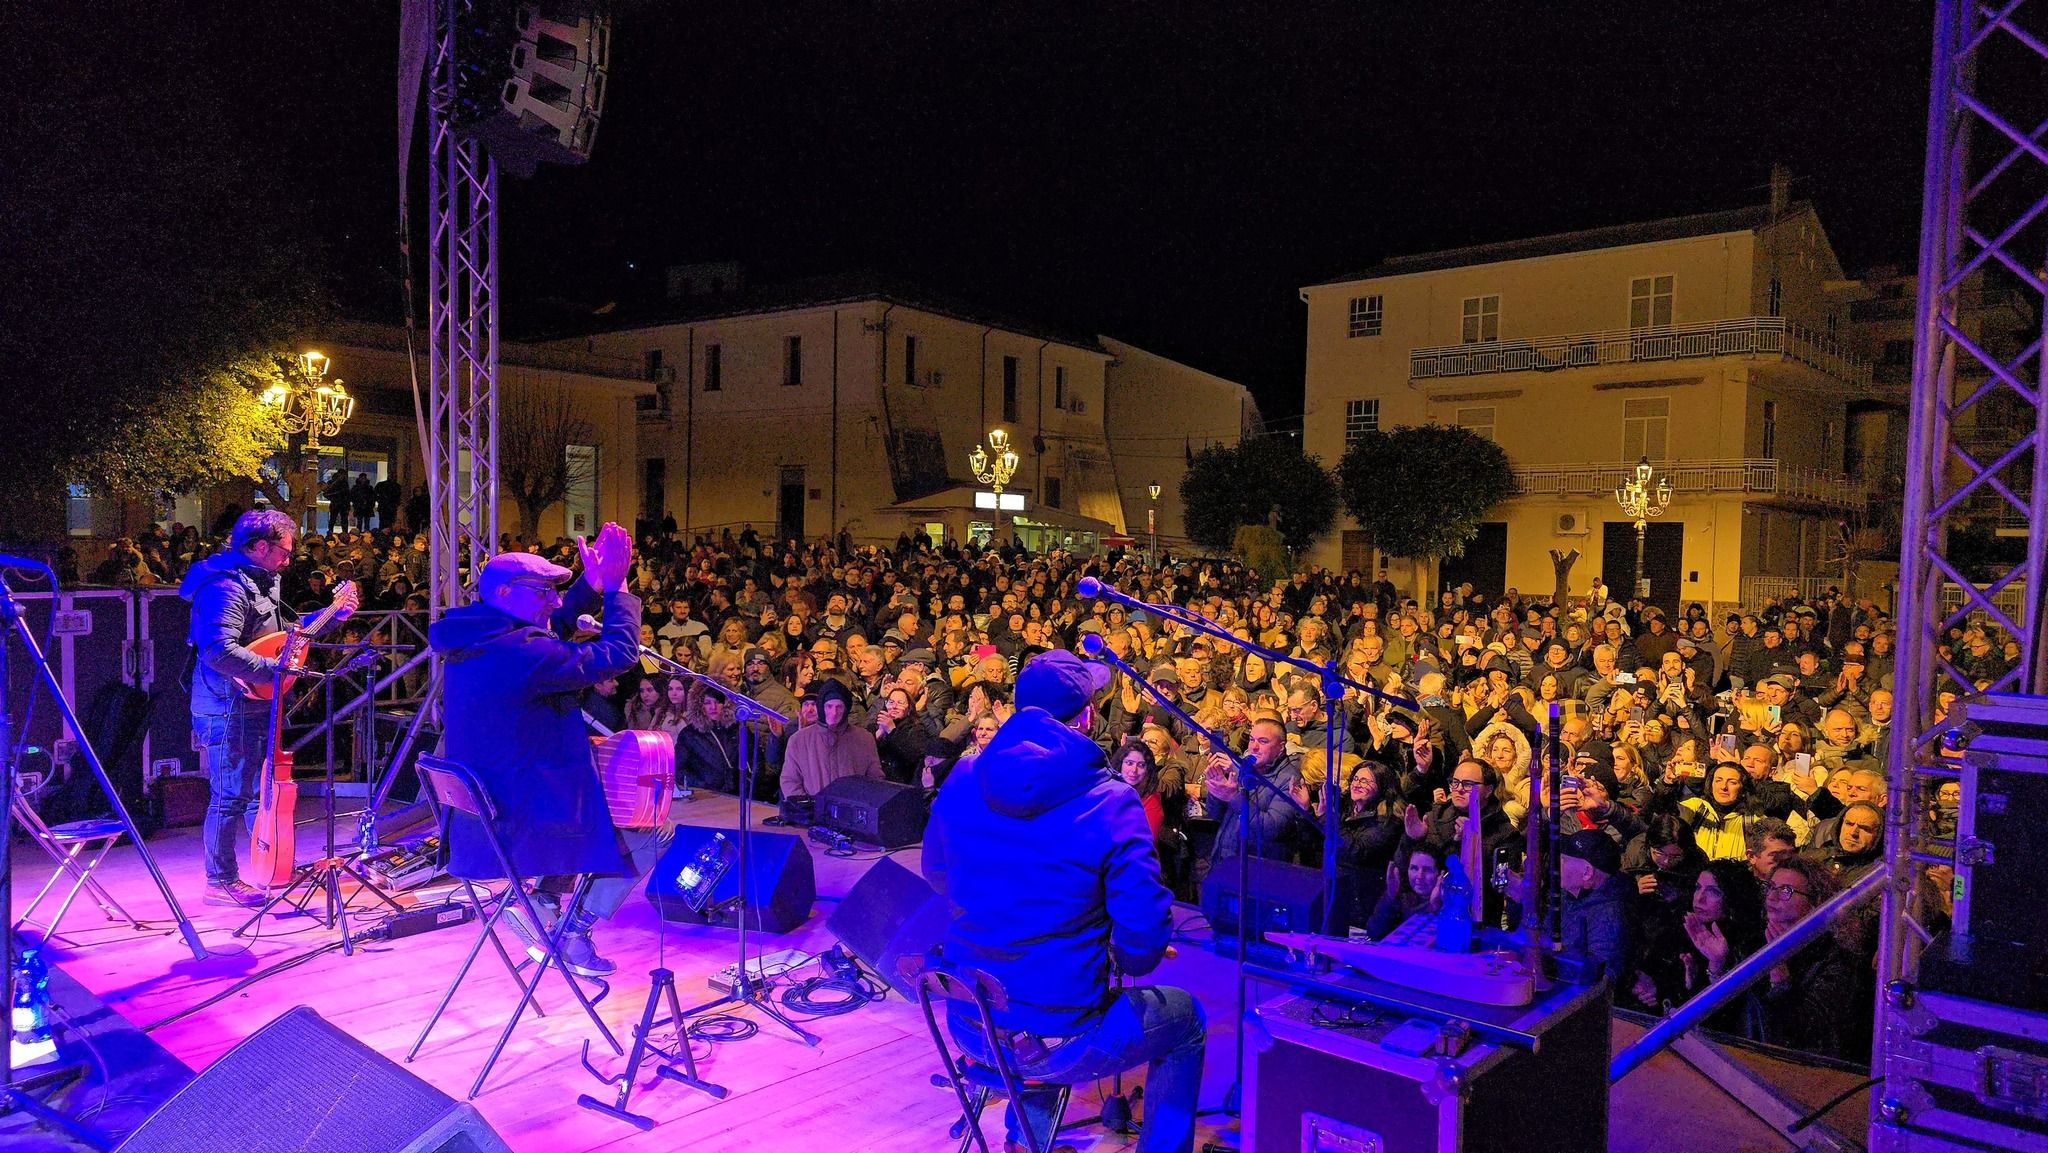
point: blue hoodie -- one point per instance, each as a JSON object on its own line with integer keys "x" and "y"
{"x": 234, "y": 601}
{"x": 1048, "y": 863}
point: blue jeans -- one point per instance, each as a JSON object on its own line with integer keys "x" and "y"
{"x": 1155, "y": 1025}
{"x": 231, "y": 749}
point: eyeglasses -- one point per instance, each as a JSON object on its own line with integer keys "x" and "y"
{"x": 1786, "y": 891}
{"x": 544, "y": 588}
{"x": 1458, "y": 783}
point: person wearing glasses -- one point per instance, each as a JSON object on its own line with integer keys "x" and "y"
{"x": 513, "y": 677}
{"x": 1819, "y": 999}
{"x": 236, "y": 597}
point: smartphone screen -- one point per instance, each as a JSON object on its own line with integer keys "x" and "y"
{"x": 1727, "y": 742}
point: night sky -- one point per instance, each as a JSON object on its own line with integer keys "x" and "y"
{"x": 1168, "y": 173}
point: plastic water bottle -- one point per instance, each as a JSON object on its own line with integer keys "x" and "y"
{"x": 31, "y": 1021}
{"x": 700, "y": 876}
{"x": 1454, "y": 918}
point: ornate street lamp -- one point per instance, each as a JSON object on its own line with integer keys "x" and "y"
{"x": 995, "y": 464}
{"x": 1639, "y": 501}
{"x": 1152, "y": 528}
{"x": 312, "y": 408}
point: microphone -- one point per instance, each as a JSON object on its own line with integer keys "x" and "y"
{"x": 1091, "y": 644}
{"x": 1088, "y": 587}
{"x": 585, "y": 623}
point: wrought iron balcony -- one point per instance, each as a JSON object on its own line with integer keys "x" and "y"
{"x": 1761, "y": 477}
{"x": 1745, "y": 336}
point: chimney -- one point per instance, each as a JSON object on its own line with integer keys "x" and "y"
{"x": 1781, "y": 191}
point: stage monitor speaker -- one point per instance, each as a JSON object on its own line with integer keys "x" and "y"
{"x": 781, "y": 883}
{"x": 300, "y": 1085}
{"x": 890, "y": 913}
{"x": 1285, "y": 898}
{"x": 880, "y": 813}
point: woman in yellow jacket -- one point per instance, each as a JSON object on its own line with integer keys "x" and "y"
{"x": 1720, "y": 818}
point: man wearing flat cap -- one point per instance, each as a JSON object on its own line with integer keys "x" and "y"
{"x": 511, "y": 697}
{"x": 1048, "y": 864}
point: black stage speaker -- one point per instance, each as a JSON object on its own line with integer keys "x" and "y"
{"x": 300, "y": 1085}
{"x": 781, "y": 884}
{"x": 880, "y": 813}
{"x": 1285, "y": 898}
{"x": 890, "y": 913}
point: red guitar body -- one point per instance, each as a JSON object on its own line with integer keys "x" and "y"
{"x": 272, "y": 645}
{"x": 272, "y": 845}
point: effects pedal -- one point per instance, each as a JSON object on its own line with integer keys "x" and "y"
{"x": 761, "y": 969}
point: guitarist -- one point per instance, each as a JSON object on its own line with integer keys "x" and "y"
{"x": 235, "y": 598}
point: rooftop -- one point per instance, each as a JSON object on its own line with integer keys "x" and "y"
{"x": 1748, "y": 219}
{"x": 810, "y": 292}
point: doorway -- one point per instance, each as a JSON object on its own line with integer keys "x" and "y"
{"x": 789, "y": 506}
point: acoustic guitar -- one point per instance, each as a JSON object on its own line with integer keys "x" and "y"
{"x": 346, "y": 599}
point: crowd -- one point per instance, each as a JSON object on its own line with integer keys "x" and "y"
{"x": 1722, "y": 777}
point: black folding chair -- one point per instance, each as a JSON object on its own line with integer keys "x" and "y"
{"x": 456, "y": 789}
{"x": 976, "y": 1083}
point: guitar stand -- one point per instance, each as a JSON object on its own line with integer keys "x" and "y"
{"x": 323, "y": 877}
{"x": 662, "y": 989}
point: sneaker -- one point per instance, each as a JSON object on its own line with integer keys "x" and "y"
{"x": 580, "y": 957}
{"x": 532, "y": 934}
{"x": 236, "y": 893}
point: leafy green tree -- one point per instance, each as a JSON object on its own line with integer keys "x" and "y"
{"x": 1421, "y": 490}
{"x": 1263, "y": 481}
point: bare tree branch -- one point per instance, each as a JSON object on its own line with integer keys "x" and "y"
{"x": 535, "y": 429}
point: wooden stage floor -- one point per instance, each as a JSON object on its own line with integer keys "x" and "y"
{"x": 865, "y": 1087}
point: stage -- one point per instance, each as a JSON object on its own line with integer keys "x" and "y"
{"x": 865, "y": 1087}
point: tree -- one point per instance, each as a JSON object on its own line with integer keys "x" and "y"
{"x": 1420, "y": 490}
{"x": 535, "y": 429}
{"x": 205, "y": 431}
{"x": 1261, "y": 481}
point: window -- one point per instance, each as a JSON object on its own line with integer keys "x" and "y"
{"x": 1774, "y": 303}
{"x": 1482, "y": 319}
{"x": 910, "y": 360}
{"x": 1898, "y": 351}
{"x": 1010, "y": 389}
{"x": 1360, "y": 417}
{"x": 1052, "y": 492}
{"x": 652, "y": 364}
{"x": 1059, "y": 387}
{"x": 1645, "y": 428}
{"x": 792, "y": 360}
{"x": 1770, "y": 429}
{"x": 1365, "y": 316}
{"x": 579, "y": 512}
{"x": 1649, "y": 302}
{"x": 714, "y": 367}
{"x": 1479, "y": 420}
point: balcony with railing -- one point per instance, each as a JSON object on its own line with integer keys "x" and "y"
{"x": 1744, "y": 336}
{"x": 1761, "y": 477}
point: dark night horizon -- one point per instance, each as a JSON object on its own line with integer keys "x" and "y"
{"x": 1167, "y": 174}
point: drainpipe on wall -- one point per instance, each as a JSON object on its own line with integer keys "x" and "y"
{"x": 689, "y": 424}
{"x": 1038, "y": 431}
{"x": 982, "y": 428}
{"x": 832, "y": 519}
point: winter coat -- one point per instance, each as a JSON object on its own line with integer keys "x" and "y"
{"x": 708, "y": 756}
{"x": 818, "y": 755}
{"x": 1722, "y": 834}
{"x": 233, "y": 603}
{"x": 511, "y": 697}
{"x": 1601, "y": 924}
{"x": 1049, "y": 867}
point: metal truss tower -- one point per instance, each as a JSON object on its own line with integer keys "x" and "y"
{"x": 1979, "y": 419}
{"x": 462, "y": 272}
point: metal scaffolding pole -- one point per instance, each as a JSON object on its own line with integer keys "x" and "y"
{"x": 1986, "y": 192}
{"x": 462, "y": 263}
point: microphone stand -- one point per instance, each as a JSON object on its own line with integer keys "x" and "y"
{"x": 746, "y": 990}
{"x": 1247, "y": 771}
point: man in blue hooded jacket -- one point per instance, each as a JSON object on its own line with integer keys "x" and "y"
{"x": 512, "y": 695}
{"x": 1049, "y": 866}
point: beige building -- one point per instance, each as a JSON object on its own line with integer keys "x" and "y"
{"x": 1712, "y": 344}
{"x": 1160, "y": 413}
{"x": 851, "y": 405}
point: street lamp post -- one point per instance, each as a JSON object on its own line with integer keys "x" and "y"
{"x": 1152, "y": 529}
{"x": 1639, "y": 501}
{"x": 994, "y": 465}
{"x": 313, "y": 408}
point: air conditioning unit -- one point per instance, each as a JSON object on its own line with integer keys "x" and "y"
{"x": 1578, "y": 522}
{"x": 934, "y": 379}
{"x": 1077, "y": 405}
